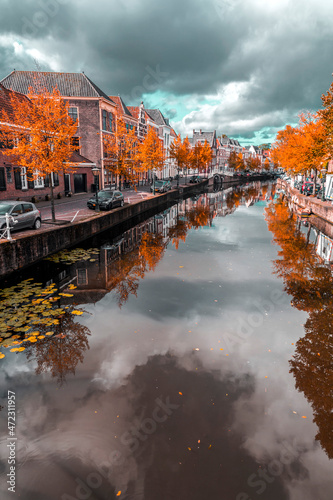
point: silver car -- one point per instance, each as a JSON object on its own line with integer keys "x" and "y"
{"x": 23, "y": 214}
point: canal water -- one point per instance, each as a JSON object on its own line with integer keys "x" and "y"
{"x": 189, "y": 358}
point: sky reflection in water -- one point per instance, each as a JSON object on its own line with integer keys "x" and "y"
{"x": 182, "y": 392}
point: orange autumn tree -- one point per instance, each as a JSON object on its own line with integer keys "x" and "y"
{"x": 120, "y": 151}
{"x": 201, "y": 156}
{"x": 197, "y": 157}
{"x": 303, "y": 148}
{"x": 150, "y": 153}
{"x": 39, "y": 140}
{"x": 178, "y": 153}
{"x": 326, "y": 115}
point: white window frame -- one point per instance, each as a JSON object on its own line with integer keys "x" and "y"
{"x": 77, "y": 113}
{"x": 24, "y": 181}
{"x": 38, "y": 180}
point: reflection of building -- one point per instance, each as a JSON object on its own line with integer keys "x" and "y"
{"x": 324, "y": 247}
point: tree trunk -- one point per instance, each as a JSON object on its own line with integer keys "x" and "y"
{"x": 52, "y": 198}
{"x": 314, "y": 182}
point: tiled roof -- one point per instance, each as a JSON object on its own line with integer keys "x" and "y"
{"x": 134, "y": 110}
{"x": 157, "y": 116}
{"x": 203, "y": 136}
{"x": 77, "y": 158}
{"x": 118, "y": 100}
{"x": 6, "y": 103}
{"x": 68, "y": 84}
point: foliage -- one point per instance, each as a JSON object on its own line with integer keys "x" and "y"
{"x": 120, "y": 150}
{"x": 40, "y": 139}
{"x": 150, "y": 153}
{"x": 310, "y": 283}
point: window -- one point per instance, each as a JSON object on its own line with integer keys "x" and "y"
{"x": 110, "y": 121}
{"x": 9, "y": 175}
{"x": 104, "y": 116}
{"x": 75, "y": 143}
{"x": 27, "y": 207}
{"x": 24, "y": 182}
{"x": 17, "y": 210}
{"x": 38, "y": 182}
{"x": 55, "y": 179}
{"x": 73, "y": 113}
{"x": 2, "y": 179}
{"x": 82, "y": 278}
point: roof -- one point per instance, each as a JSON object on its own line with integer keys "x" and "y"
{"x": 6, "y": 101}
{"x": 157, "y": 116}
{"x": 68, "y": 84}
{"x": 77, "y": 158}
{"x": 118, "y": 100}
{"x": 135, "y": 111}
{"x": 204, "y": 136}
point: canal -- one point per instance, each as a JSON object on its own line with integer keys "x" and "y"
{"x": 187, "y": 358}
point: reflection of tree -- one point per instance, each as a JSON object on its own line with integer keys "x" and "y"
{"x": 178, "y": 232}
{"x": 132, "y": 266}
{"x": 61, "y": 353}
{"x": 127, "y": 272}
{"x": 199, "y": 216}
{"x": 310, "y": 284}
{"x": 152, "y": 248}
{"x": 33, "y": 318}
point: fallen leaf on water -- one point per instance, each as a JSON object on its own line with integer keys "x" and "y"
{"x": 119, "y": 493}
{"x": 304, "y": 416}
{"x": 209, "y": 447}
{"x": 78, "y": 313}
{"x": 180, "y": 393}
{"x": 2, "y": 355}
{"x": 190, "y": 449}
{"x": 181, "y": 267}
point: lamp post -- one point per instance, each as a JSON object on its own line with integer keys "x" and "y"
{"x": 154, "y": 174}
{"x": 323, "y": 171}
{"x": 95, "y": 170}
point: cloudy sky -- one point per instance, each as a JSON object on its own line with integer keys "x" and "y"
{"x": 243, "y": 67}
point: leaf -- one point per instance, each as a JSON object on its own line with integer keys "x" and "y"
{"x": 2, "y": 355}
{"x": 78, "y": 313}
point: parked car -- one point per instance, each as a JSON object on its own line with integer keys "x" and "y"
{"x": 304, "y": 186}
{"x": 107, "y": 200}
{"x": 23, "y": 214}
{"x": 308, "y": 190}
{"x": 160, "y": 186}
{"x": 194, "y": 179}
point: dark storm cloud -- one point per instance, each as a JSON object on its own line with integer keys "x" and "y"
{"x": 280, "y": 52}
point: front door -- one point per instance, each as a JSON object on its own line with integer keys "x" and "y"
{"x": 80, "y": 183}
{"x": 67, "y": 181}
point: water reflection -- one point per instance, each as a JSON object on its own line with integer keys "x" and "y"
{"x": 310, "y": 283}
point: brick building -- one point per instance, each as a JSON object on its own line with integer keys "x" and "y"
{"x": 93, "y": 110}
{"x": 14, "y": 181}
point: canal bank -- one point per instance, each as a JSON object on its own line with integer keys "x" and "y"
{"x": 319, "y": 208}
{"x": 25, "y": 250}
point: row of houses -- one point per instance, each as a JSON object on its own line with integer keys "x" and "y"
{"x": 95, "y": 113}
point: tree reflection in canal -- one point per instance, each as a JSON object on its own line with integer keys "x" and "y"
{"x": 310, "y": 283}
{"x": 34, "y": 320}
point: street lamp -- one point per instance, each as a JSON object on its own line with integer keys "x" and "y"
{"x": 95, "y": 170}
{"x": 154, "y": 174}
{"x": 323, "y": 172}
